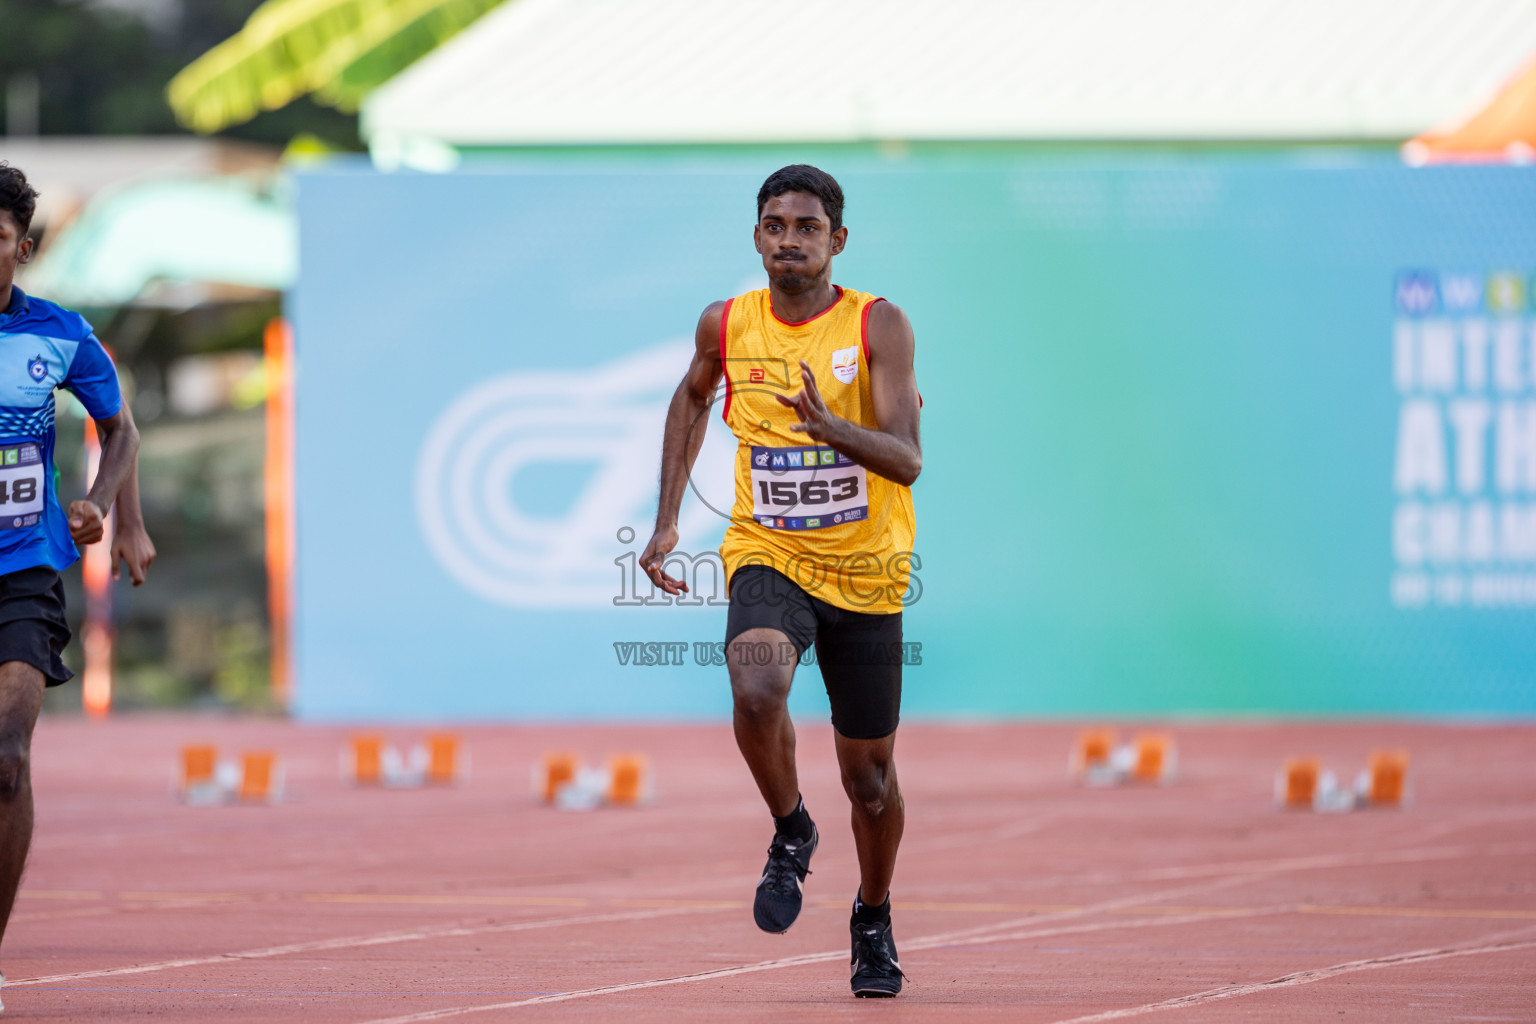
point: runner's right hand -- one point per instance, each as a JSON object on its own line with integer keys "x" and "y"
{"x": 661, "y": 545}
{"x": 85, "y": 521}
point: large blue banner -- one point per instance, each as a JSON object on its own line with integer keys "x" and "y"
{"x": 1204, "y": 435}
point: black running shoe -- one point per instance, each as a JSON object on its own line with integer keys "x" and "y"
{"x": 778, "y": 894}
{"x": 876, "y": 973}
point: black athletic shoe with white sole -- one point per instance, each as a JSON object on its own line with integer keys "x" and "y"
{"x": 778, "y": 893}
{"x": 876, "y": 972}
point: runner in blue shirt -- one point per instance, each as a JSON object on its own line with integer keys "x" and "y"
{"x": 43, "y": 347}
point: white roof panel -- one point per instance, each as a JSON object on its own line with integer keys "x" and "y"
{"x": 536, "y": 72}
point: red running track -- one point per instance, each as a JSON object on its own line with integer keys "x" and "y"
{"x": 1019, "y": 897}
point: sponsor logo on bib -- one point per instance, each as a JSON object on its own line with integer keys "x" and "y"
{"x": 845, "y": 364}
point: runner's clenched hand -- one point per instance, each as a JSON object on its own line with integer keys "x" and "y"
{"x": 816, "y": 419}
{"x": 85, "y": 521}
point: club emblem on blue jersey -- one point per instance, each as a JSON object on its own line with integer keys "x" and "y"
{"x": 37, "y": 367}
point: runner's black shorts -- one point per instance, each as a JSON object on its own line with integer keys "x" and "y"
{"x": 859, "y": 653}
{"x": 32, "y": 624}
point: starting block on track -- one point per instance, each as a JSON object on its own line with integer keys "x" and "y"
{"x": 261, "y": 778}
{"x": 1384, "y": 783}
{"x": 1156, "y": 758}
{"x": 554, "y": 772}
{"x": 447, "y": 760}
{"x": 1091, "y": 755}
{"x": 1303, "y": 783}
{"x": 1296, "y": 783}
{"x": 199, "y": 783}
{"x": 366, "y": 767}
{"x": 563, "y": 780}
{"x": 629, "y": 780}
{"x": 440, "y": 761}
{"x": 1099, "y": 759}
{"x": 204, "y": 780}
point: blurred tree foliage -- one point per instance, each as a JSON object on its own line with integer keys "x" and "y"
{"x": 103, "y": 69}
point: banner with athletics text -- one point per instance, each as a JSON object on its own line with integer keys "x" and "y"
{"x": 1202, "y": 434}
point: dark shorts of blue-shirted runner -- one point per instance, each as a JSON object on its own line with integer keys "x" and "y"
{"x": 33, "y": 628}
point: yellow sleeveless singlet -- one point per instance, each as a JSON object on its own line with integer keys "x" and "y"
{"x": 843, "y": 534}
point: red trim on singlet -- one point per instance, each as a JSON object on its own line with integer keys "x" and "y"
{"x": 725, "y": 318}
{"x": 818, "y": 316}
{"x": 864, "y": 328}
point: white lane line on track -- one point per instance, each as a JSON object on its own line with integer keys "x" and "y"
{"x": 361, "y": 941}
{"x": 1496, "y": 943}
{"x": 1299, "y": 978}
{"x": 1248, "y": 868}
{"x": 988, "y": 932}
{"x": 1235, "y": 874}
{"x": 1103, "y": 926}
{"x": 1335, "y": 860}
{"x": 1000, "y": 931}
{"x": 1227, "y": 875}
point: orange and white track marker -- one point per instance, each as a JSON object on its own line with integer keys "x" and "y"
{"x": 1091, "y": 756}
{"x": 1386, "y": 780}
{"x": 1296, "y": 783}
{"x": 629, "y": 780}
{"x": 1099, "y": 759}
{"x": 447, "y": 760}
{"x": 261, "y": 778}
{"x": 1156, "y": 758}
{"x": 362, "y": 762}
{"x": 198, "y": 781}
{"x": 554, "y": 771}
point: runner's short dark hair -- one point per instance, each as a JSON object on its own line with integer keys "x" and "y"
{"x": 810, "y": 180}
{"x": 17, "y": 198}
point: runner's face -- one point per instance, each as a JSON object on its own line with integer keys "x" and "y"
{"x": 14, "y": 248}
{"x": 797, "y": 241}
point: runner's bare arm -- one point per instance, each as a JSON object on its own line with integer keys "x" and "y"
{"x": 119, "y": 449}
{"x": 893, "y": 449}
{"x": 681, "y": 440}
{"x": 131, "y": 545}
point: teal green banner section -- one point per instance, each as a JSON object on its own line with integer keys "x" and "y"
{"x": 1201, "y": 434}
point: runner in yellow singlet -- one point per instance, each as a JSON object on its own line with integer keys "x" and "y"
{"x": 818, "y": 388}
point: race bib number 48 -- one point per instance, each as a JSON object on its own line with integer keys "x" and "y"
{"x": 21, "y": 486}
{"x": 807, "y": 488}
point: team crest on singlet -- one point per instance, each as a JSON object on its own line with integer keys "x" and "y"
{"x": 845, "y": 364}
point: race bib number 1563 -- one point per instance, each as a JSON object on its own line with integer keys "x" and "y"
{"x": 807, "y": 488}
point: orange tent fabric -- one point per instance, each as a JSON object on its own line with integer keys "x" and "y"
{"x": 1505, "y": 130}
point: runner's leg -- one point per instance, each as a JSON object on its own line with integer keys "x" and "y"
{"x": 879, "y": 816}
{"x": 764, "y": 733}
{"x": 21, "y": 698}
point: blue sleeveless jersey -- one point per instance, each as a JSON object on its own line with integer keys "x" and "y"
{"x": 42, "y": 347}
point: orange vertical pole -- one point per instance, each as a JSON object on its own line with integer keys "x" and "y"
{"x": 278, "y": 343}
{"x": 96, "y": 570}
